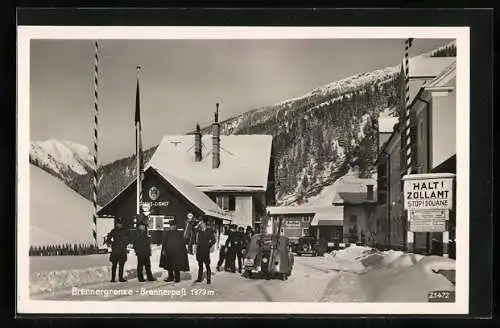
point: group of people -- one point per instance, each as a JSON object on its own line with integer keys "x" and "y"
{"x": 234, "y": 248}
{"x": 174, "y": 255}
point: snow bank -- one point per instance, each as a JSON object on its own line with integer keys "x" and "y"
{"x": 393, "y": 276}
{"x": 352, "y": 253}
{"x": 51, "y": 281}
{"x": 351, "y": 259}
{"x": 409, "y": 278}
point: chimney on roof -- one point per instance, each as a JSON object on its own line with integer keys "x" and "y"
{"x": 369, "y": 192}
{"x": 216, "y": 139}
{"x": 197, "y": 144}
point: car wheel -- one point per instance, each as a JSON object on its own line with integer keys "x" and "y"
{"x": 248, "y": 274}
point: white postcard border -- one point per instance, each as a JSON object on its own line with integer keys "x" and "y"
{"x": 27, "y": 33}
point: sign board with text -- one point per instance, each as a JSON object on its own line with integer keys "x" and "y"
{"x": 428, "y": 220}
{"x": 292, "y": 224}
{"x": 424, "y": 192}
{"x": 292, "y": 228}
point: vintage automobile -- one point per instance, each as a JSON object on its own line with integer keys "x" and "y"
{"x": 311, "y": 246}
{"x": 268, "y": 256}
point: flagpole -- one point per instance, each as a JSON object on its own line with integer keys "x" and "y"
{"x": 138, "y": 146}
{"x": 96, "y": 113}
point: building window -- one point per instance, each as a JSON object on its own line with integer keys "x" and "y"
{"x": 152, "y": 222}
{"x": 159, "y": 222}
{"x": 306, "y": 219}
{"x": 232, "y": 203}
{"x": 282, "y": 231}
{"x": 305, "y": 232}
{"x": 223, "y": 202}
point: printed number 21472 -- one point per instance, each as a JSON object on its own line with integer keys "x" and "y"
{"x": 441, "y": 296}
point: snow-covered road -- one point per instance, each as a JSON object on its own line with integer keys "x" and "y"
{"x": 306, "y": 284}
{"x": 356, "y": 274}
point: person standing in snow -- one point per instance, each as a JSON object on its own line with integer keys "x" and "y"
{"x": 231, "y": 248}
{"x": 204, "y": 240}
{"x": 118, "y": 240}
{"x": 174, "y": 257}
{"x": 240, "y": 245}
{"x": 142, "y": 247}
{"x": 222, "y": 252}
{"x": 235, "y": 243}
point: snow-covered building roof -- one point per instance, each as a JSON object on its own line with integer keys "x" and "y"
{"x": 244, "y": 161}
{"x": 190, "y": 192}
{"x": 447, "y": 78}
{"x": 428, "y": 67}
{"x": 194, "y": 195}
{"x": 353, "y": 198}
{"x": 284, "y": 210}
{"x": 332, "y": 216}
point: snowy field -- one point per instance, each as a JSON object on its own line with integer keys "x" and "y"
{"x": 66, "y": 221}
{"x": 57, "y": 263}
{"x": 356, "y": 274}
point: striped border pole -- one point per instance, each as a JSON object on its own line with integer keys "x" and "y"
{"x": 96, "y": 114}
{"x": 407, "y": 134}
{"x": 409, "y": 163}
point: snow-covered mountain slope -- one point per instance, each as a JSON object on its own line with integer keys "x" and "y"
{"x": 318, "y": 137}
{"x": 61, "y": 156}
{"x": 57, "y": 214}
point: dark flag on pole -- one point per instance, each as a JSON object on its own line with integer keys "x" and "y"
{"x": 138, "y": 145}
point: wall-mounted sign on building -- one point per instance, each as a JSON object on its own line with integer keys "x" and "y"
{"x": 292, "y": 224}
{"x": 154, "y": 193}
{"x": 150, "y": 204}
{"x": 428, "y": 191}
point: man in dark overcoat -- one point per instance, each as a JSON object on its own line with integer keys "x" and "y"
{"x": 117, "y": 239}
{"x": 174, "y": 257}
{"x": 142, "y": 247}
{"x": 240, "y": 245}
{"x": 204, "y": 240}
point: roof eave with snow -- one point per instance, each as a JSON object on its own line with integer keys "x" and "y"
{"x": 241, "y": 189}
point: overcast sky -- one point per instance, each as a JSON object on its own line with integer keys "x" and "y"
{"x": 181, "y": 80}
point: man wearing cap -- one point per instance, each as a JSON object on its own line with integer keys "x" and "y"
{"x": 204, "y": 240}
{"x": 142, "y": 247}
{"x": 118, "y": 240}
{"x": 233, "y": 247}
{"x": 174, "y": 257}
{"x": 223, "y": 251}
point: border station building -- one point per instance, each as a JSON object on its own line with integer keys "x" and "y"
{"x": 233, "y": 173}
{"x": 433, "y": 134}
